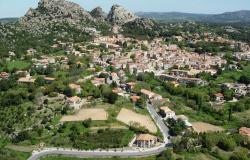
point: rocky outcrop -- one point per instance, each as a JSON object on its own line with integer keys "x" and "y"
{"x": 50, "y": 13}
{"x": 54, "y": 11}
{"x": 142, "y": 23}
{"x": 98, "y": 14}
{"x": 119, "y": 16}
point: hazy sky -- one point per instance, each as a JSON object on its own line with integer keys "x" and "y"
{"x": 17, "y": 8}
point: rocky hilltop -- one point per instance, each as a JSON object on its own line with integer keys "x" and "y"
{"x": 98, "y": 14}
{"x": 55, "y": 12}
{"x": 119, "y": 16}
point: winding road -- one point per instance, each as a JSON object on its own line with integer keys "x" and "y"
{"x": 36, "y": 155}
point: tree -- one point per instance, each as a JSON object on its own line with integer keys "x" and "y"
{"x": 112, "y": 97}
{"x": 132, "y": 56}
{"x": 227, "y": 143}
{"x": 240, "y": 154}
{"x": 162, "y": 113}
{"x": 165, "y": 155}
{"x": 228, "y": 94}
{"x": 23, "y": 135}
{"x": 87, "y": 123}
{"x": 108, "y": 95}
{"x": 40, "y": 81}
{"x": 68, "y": 92}
{"x": 114, "y": 84}
{"x": 244, "y": 79}
{"x": 176, "y": 127}
{"x": 210, "y": 140}
{"x": 140, "y": 103}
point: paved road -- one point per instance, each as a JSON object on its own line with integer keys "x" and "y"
{"x": 158, "y": 120}
{"x": 97, "y": 153}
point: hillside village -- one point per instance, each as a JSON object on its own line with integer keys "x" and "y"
{"x": 145, "y": 93}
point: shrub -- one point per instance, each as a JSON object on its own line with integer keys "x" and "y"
{"x": 227, "y": 144}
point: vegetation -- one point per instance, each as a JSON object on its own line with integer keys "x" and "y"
{"x": 13, "y": 155}
{"x": 30, "y": 113}
{"x": 103, "y": 139}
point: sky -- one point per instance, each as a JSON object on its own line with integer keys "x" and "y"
{"x": 17, "y": 8}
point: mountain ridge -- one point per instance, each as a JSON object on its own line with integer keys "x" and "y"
{"x": 226, "y": 17}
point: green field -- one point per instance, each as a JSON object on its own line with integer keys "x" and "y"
{"x": 20, "y": 65}
{"x": 6, "y": 154}
{"x": 232, "y": 76}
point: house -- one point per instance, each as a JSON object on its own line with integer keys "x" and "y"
{"x": 179, "y": 73}
{"x": 31, "y": 52}
{"x": 187, "y": 80}
{"x": 22, "y": 73}
{"x": 184, "y": 119}
{"x": 151, "y": 95}
{"x": 175, "y": 83}
{"x": 49, "y": 79}
{"x": 43, "y": 63}
{"x": 12, "y": 54}
{"x": 148, "y": 93}
{"x": 145, "y": 141}
{"x": 26, "y": 80}
{"x": 167, "y": 113}
{"x": 76, "y": 88}
{"x": 118, "y": 91}
{"x": 74, "y": 102}
{"x": 157, "y": 97}
{"x": 4, "y": 75}
{"x": 244, "y": 131}
{"x": 114, "y": 77}
{"x": 98, "y": 81}
{"x": 130, "y": 86}
{"x": 239, "y": 89}
{"x": 219, "y": 97}
{"x": 134, "y": 99}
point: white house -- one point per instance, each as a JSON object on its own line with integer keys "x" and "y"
{"x": 74, "y": 102}
{"x": 169, "y": 113}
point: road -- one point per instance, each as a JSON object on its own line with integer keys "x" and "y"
{"x": 102, "y": 153}
{"x": 96, "y": 154}
{"x": 158, "y": 120}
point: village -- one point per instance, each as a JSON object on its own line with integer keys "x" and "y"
{"x": 128, "y": 56}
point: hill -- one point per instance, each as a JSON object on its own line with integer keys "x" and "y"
{"x": 228, "y": 17}
{"x": 8, "y": 20}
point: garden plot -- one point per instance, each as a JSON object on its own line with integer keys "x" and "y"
{"x": 201, "y": 127}
{"x": 96, "y": 114}
{"x": 127, "y": 116}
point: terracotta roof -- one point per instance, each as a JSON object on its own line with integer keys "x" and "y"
{"x": 113, "y": 74}
{"x": 244, "y": 131}
{"x": 74, "y": 86}
{"x": 4, "y": 74}
{"x": 147, "y": 92}
{"x": 135, "y": 98}
{"x": 117, "y": 90}
{"x": 74, "y": 99}
{"x": 26, "y": 80}
{"x": 146, "y": 137}
{"x": 131, "y": 83}
{"x": 219, "y": 95}
{"x": 166, "y": 109}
